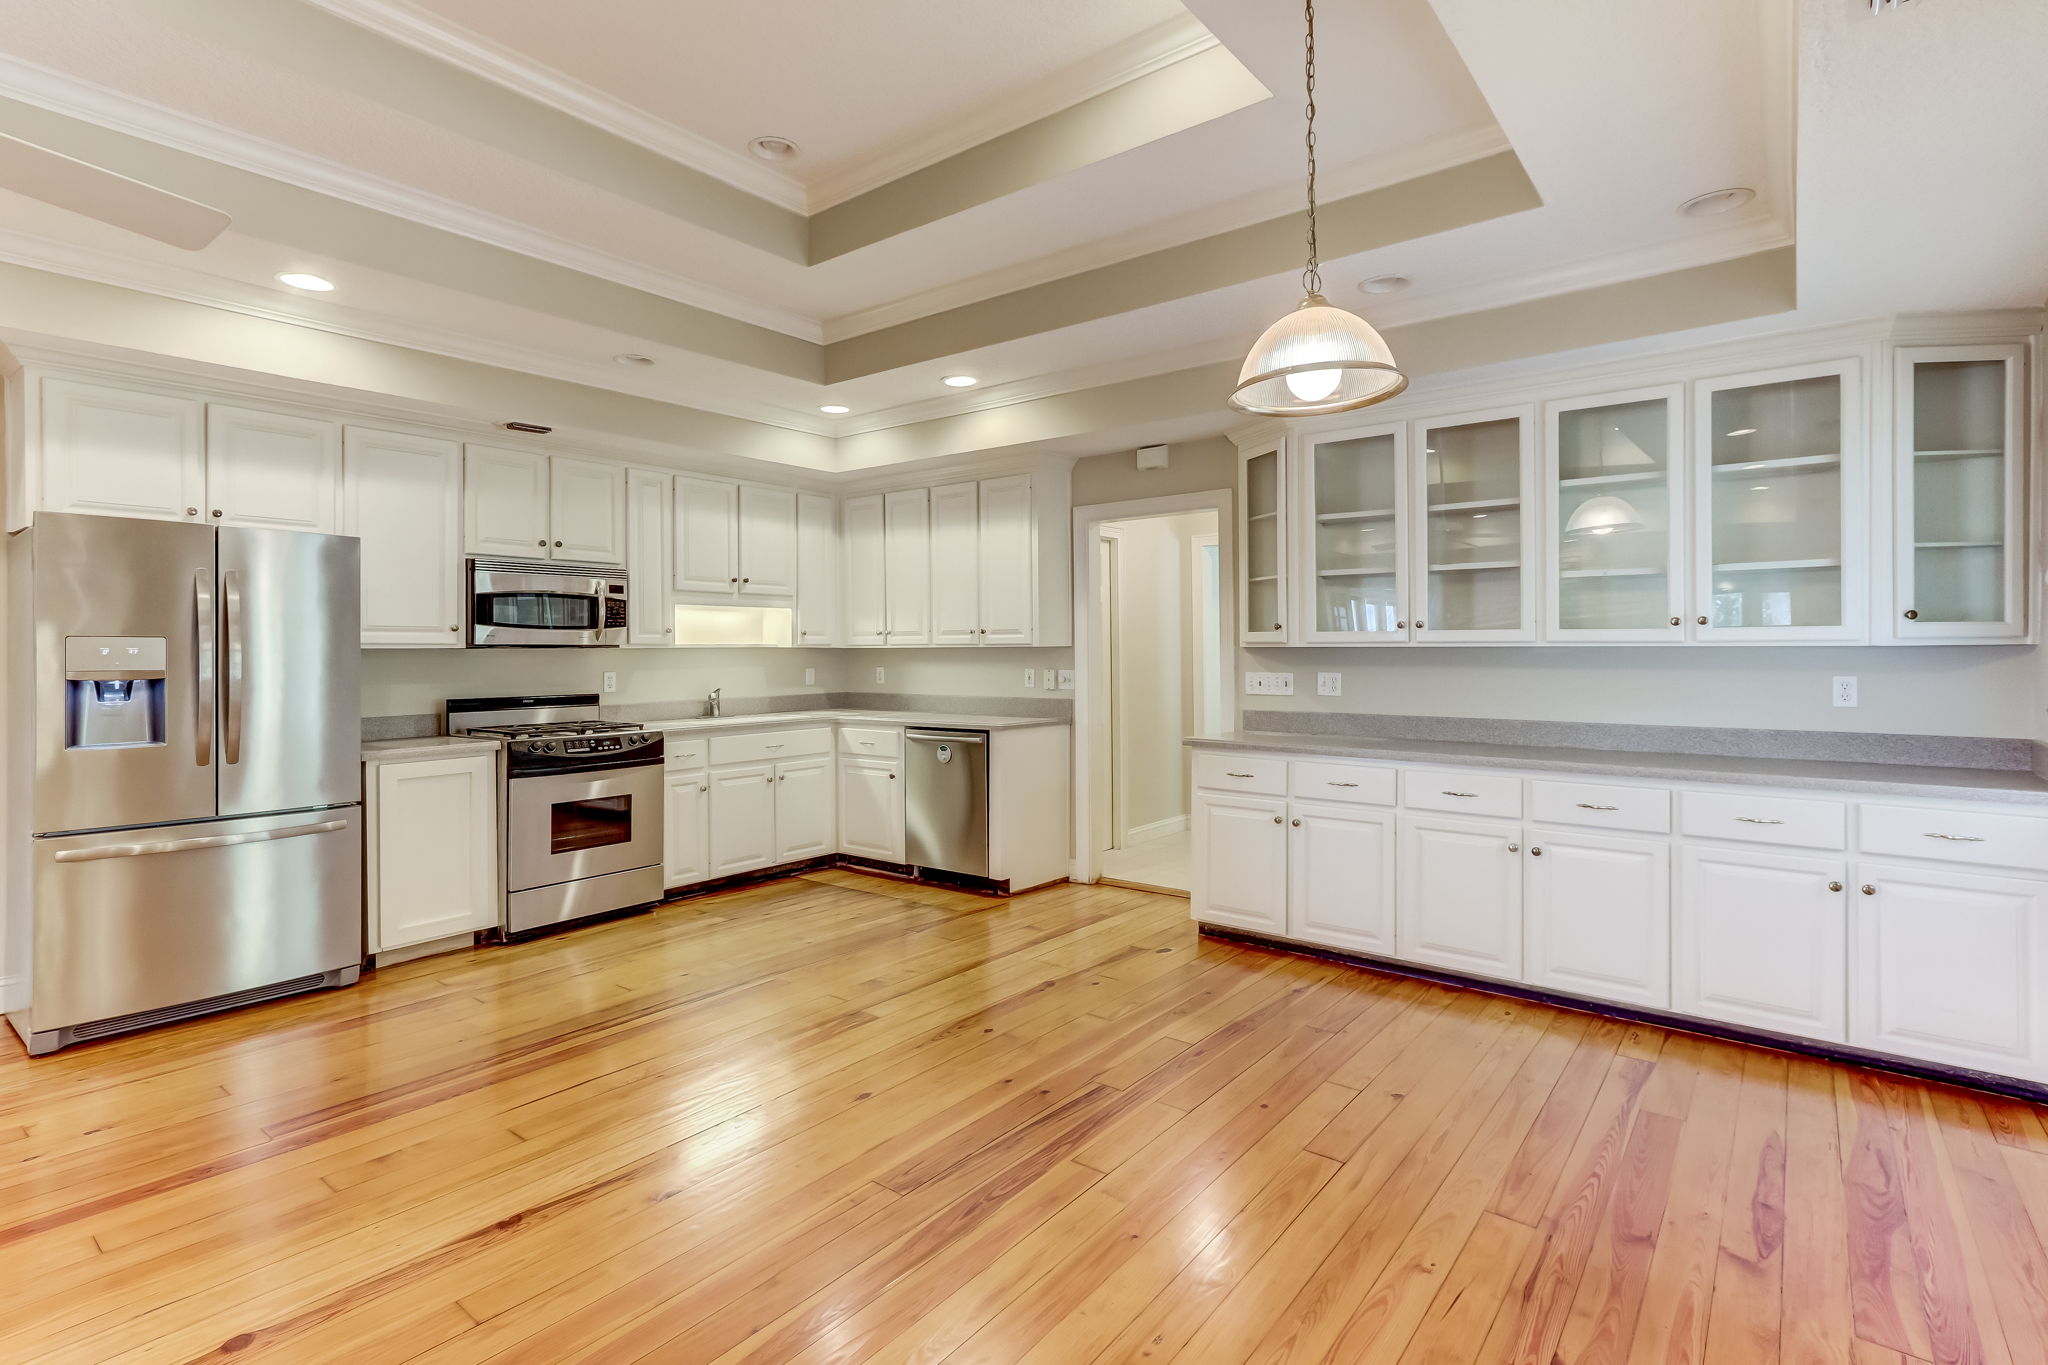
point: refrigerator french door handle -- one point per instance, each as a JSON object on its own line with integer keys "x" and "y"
{"x": 231, "y": 600}
{"x": 202, "y": 688}
{"x": 142, "y": 850}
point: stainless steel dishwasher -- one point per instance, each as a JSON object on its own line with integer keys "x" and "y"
{"x": 945, "y": 814}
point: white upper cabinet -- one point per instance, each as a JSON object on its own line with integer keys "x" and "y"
{"x": 1959, "y": 494}
{"x": 866, "y": 604}
{"x": 956, "y": 564}
{"x": 1353, "y": 551}
{"x": 586, "y": 511}
{"x": 1262, "y": 538}
{"x": 1008, "y": 561}
{"x": 1614, "y": 534}
{"x": 402, "y": 494}
{"x": 817, "y": 570}
{"x": 121, "y": 452}
{"x": 650, "y": 620}
{"x": 1779, "y": 476}
{"x": 907, "y": 554}
{"x": 767, "y": 541}
{"x": 505, "y": 502}
{"x": 707, "y": 523}
{"x": 272, "y": 470}
{"x": 1474, "y": 490}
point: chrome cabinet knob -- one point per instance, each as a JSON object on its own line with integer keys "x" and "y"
{"x": 1400, "y": 625}
{"x": 1276, "y": 819}
{"x": 1912, "y": 615}
{"x": 191, "y": 511}
{"x": 558, "y": 545}
{"x": 1536, "y": 852}
{"x": 1868, "y": 889}
{"x": 1296, "y": 824}
{"x": 1514, "y": 848}
{"x": 542, "y": 543}
{"x": 1699, "y": 620}
{"x": 1834, "y": 886}
{"x": 455, "y": 628}
{"x": 1676, "y": 622}
{"x": 216, "y": 511}
{"x": 1422, "y": 625}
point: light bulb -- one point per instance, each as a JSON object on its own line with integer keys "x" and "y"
{"x": 1313, "y": 386}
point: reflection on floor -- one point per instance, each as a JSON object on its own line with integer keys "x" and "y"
{"x": 1161, "y": 864}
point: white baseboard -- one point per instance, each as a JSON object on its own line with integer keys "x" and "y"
{"x": 1158, "y": 829}
{"x": 13, "y": 994}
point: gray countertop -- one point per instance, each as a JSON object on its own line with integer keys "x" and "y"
{"x": 1875, "y": 779}
{"x": 782, "y": 719}
{"x": 428, "y": 746}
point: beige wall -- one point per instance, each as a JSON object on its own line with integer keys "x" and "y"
{"x": 1155, "y": 653}
{"x": 993, "y": 672}
{"x": 399, "y": 682}
{"x": 1192, "y": 467}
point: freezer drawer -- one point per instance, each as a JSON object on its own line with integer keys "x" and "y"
{"x": 945, "y": 815}
{"x": 142, "y": 920}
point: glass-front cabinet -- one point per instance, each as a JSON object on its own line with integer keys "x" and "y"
{"x": 1958, "y": 495}
{"x": 1262, "y": 535}
{"x": 1474, "y": 495}
{"x": 1780, "y": 530}
{"x": 1614, "y": 535}
{"x": 1353, "y": 499}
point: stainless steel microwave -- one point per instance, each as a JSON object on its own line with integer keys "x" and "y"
{"x": 533, "y": 603}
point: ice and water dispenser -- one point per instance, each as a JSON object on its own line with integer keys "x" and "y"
{"x": 113, "y": 691}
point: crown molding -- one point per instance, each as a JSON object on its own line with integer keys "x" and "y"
{"x": 470, "y": 51}
{"x": 61, "y": 93}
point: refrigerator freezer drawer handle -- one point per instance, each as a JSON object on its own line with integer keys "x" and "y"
{"x": 231, "y": 688}
{"x": 88, "y": 855}
{"x": 202, "y": 683}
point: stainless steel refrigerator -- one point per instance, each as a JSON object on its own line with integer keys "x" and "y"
{"x": 186, "y": 734}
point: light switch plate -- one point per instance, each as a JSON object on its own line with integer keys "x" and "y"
{"x": 1031, "y": 677}
{"x": 1066, "y": 682}
{"x": 810, "y": 677}
{"x": 1050, "y": 681}
{"x": 611, "y": 681}
{"x": 1269, "y": 684}
{"x": 1329, "y": 684}
{"x": 878, "y": 675}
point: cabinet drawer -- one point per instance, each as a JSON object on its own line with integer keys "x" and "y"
{"x": 1342, "y": 782}
{"x": 1765, "y": 819}
{"x": 1464, "y": 793}
{"x": 871, "y": 741}
{"x": 1982, "y": 838}
{"x": 1241, "y": 773}
{"x": 1644, "y": 809}
{"x": 769, "y": 745}
{"x": 684, "y": 752}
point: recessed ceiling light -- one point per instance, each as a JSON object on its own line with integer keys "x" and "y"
{"x": 632, "y": 358}
{"x": 298, "y": 279}
{"x": 959, "y": 381}
{"x": 1716, "y": 201}
{"x": 1384, "y": 284}
{"x": 772, "y": 148}
{"x": 834, "y": 408}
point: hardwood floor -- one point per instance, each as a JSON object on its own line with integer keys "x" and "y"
{"x": 839, "y": 1119}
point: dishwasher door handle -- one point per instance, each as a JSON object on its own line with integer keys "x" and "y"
{"x": 946, "y": 736}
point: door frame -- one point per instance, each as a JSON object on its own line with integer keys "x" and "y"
{"x": 1089, "y": 671}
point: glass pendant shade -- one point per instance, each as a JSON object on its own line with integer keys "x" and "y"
{"x": 1603, "y": 516}
{"x": 1317, "y": 359}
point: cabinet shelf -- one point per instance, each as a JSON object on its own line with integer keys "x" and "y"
{"x": 1483, "y": 505}
{"x": 1355, "y": 573}
{"x": 1262, "y": 516}
{"x": 1263, "y": 578}
{"x": 1477, "y": 567}
{"x": 1956, "y": 454}
{"x": 1592, "y": 480}
{"x": 1769, "y": 565}
{"x": 1959, "y": 545}
{"x": 1790, "y": 464}
{"x": 1610, "y": 573}
{"x": 1375, "y": 514}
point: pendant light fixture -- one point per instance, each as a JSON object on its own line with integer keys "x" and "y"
{"x": 1319, "y": 358}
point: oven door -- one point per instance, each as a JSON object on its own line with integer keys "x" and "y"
{"x": 567, "y": 826}
{"x": 545, "y": 606}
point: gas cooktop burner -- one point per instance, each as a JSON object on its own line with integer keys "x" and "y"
{"x": 557, "y": 727}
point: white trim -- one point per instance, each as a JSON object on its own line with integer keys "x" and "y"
{"x": 1087, "y": 859}
{"x": 13, "y": 994}
{"x": 1158, "y": 829}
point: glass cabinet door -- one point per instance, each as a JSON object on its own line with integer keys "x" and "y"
{"x": 1261, "y": 497}
{"x": 1475, "y": 483}
{"x": 1354, "y": 531}
{"x": 1960, "y": 557}
{"x": 1614, "y": 547}
{"x": 1779, "y": 484}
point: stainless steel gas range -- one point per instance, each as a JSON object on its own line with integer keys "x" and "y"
{"x": 582, "y": 805}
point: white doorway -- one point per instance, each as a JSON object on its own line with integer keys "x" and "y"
{"x": 1153, "y": 667}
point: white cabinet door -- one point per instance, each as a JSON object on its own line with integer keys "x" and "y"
{"x": 867, "y": 603}
{"x": 435, "y": 870}
{"x": 686, "y": 829}
{"x": 956, "y": 565}
{"x": 742, "y": 819}
{"x": 1474, "y": 531}
{"x": 1240, "y": 845}
{"x": 1340, "y": 877}
{"x": 1598, "y": 917}
{"x": 402, "y": 495}
{"x": 707, "y": 554}
{"x": 804, "y": 823}
{"x": 121, "y": 452}
{"x": 586, "y": 511}
{"x": 1950, "y": 967}
{"x": 907, "y": 542}
{"x": 1461, "y": 895}
{"x": 817, "y": 570}
{"x": 505, "y": 502}
{"x": 267, "y": 469}
{"x": 767, "y": 542}
{"x": 871, "y": 809}
{"x": 649, "y": 618}
{"x": 1262, "y": 541}
{"x": 1762, "y": 941}
{"x": 1009, "y": 562}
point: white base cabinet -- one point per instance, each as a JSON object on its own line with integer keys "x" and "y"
{"x": 805, "y": 826}
{"x": 1762, "y": 941}
{"x": 432, "y": 851}
{"x": 1240, "y": 845}
{"x": 686, "y": 829}
{"x": 742, "y": 819}
{"x": 1461, "y": 894}
{"x": 871, "y": 808}
{"x": 1598, "y": 917}
{"x": 1340, "y": 876}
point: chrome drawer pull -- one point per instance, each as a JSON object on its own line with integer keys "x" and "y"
{"x": 1228, "y": 774}
{"x": 1467, "y": 795}
{"x": 1753, "y": 820}
{"x": 1340, "y": 784}
{"x": 1588, "y": 805}
{"x": 1959, "y": 838}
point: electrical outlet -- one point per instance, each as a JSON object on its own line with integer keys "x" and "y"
{"x": 878, "y": 675}
{"x": 1050, "y": 681}
{"x": 1845, "y": 691}
{"x": 611, "y": 681}
{"x": 1066, "y": 680}
{"x": 1329, "y": 684}
{"x": 1031, "y": 677}
{"x": 810, "y": 677}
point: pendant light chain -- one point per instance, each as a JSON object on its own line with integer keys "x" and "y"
{"x": 1312, "y": 277}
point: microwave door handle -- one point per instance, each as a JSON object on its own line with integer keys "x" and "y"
{"x": 231, "y": 685}
{"x": 202, "y": 667}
